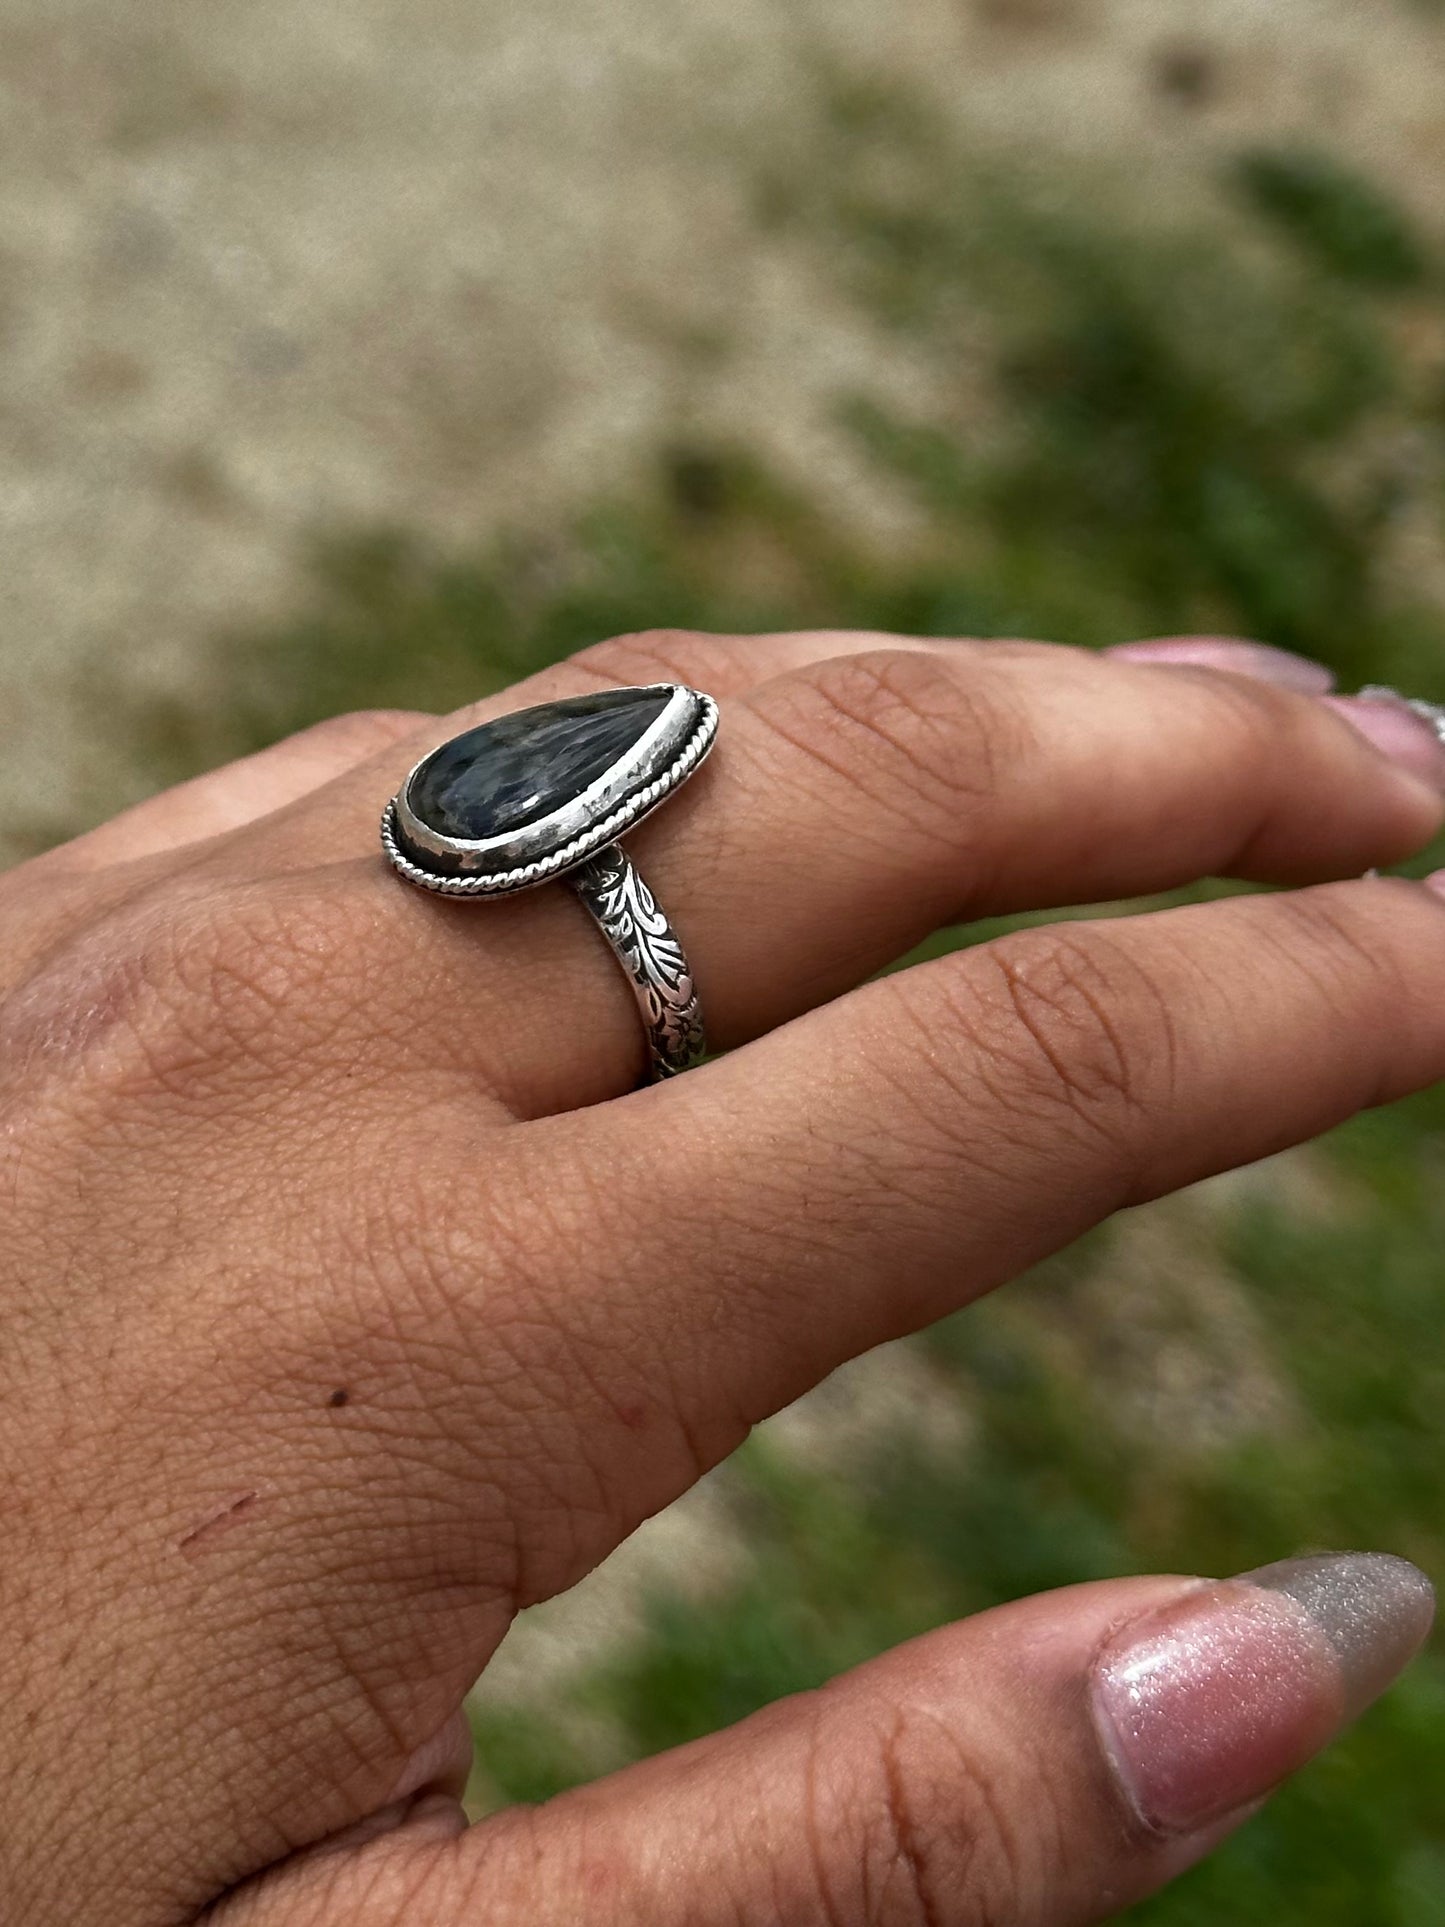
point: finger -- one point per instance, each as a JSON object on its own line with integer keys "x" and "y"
{"x": 885, "y": 1160}
{"x": 252, "y": 786}
{"x": 1259, "y": 660}
{"x": 1390, "y": 723}
{"x": 856, "y": 805}
{"x": 725, "y": 665}
{"x": 1044, "y": 1764}
{"x": 237, "y": 793}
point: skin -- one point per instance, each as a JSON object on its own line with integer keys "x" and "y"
{"x": 354, "y": 1298}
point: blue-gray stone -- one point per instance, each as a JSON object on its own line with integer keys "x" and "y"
{"x": 502, "y": 775}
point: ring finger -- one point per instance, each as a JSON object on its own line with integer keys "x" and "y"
{"x": 858, "y": 803}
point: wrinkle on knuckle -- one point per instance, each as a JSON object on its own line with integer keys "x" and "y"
{"x": 239, "y": 977}
{"x": 922, "y": 738}
{"x": 1322, "y": 937}
{"x": 1253, "y": 716}
{"x": 1251, "y": 719}
{"x": 1102, "y": 1030}
{"x": 953, "y": 1100}
{"x": 1055, "y": 1027}
{"x": 940, "y": 1835}
{"x": 184, "y": 990}
{"x": 911, "y": 1848}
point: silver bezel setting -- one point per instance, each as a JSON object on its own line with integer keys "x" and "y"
{"x": 566, "y": 837}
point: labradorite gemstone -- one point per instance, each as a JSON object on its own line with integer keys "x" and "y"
{"x": 504, "y": 774}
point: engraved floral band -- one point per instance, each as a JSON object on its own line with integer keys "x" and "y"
{"x": 543, "y": 794}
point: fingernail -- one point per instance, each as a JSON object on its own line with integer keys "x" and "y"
{"x": 1260, "y": 661}
{"x": 1411, "y": 734}
{"x": 1209, "y": 1704}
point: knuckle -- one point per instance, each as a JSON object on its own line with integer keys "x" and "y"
{"x": 923, "y": 738}
{"x": 180, "y": 980}
{"x": 1081, "y": 1026}
{"x": 1250, "y": 711}
{"x": 657, "y": 655}
{"x": 1325, "y": 938}
{"x": 247, "y": 956}
{"x": 1255, "y": 730}
{"x": 571, "y": 1381}
{"x": 937, "y": 1829}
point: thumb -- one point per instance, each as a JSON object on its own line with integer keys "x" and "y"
{"x": 1044, "y": 1764}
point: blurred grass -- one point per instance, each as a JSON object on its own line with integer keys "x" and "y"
{"x": 1054, "y": 1486}
{"x": 1222, "y": 419}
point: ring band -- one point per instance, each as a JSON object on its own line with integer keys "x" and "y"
{"x": 543, "y": 794}
{"x": 647, "y": 947}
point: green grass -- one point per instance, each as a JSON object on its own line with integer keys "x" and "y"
{"x": 1228, "y": 421}
{"x": 1061, "y": 1479}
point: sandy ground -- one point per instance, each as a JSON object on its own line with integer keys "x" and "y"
{"x": 268, "y": 269}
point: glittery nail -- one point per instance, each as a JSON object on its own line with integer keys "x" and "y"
{"x": 1209, "y": 1704}
{"x": 1373, "y": 1609}
{"x": 1409, "y": 732}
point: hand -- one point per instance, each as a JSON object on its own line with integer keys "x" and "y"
{"x": 351, "y": 1302}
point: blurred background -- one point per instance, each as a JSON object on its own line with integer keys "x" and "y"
{"x": 377, "y": 351}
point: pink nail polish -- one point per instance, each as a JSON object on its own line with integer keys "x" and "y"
{"x": 1208, "y": 1705}
{"x": 1410, "y": 734}
{"x": 1260, "y": 661}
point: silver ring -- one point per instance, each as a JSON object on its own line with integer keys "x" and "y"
{"x": 543, "y": 794}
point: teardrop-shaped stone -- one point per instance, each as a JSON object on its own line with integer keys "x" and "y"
{"x": 505, "y": 774}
